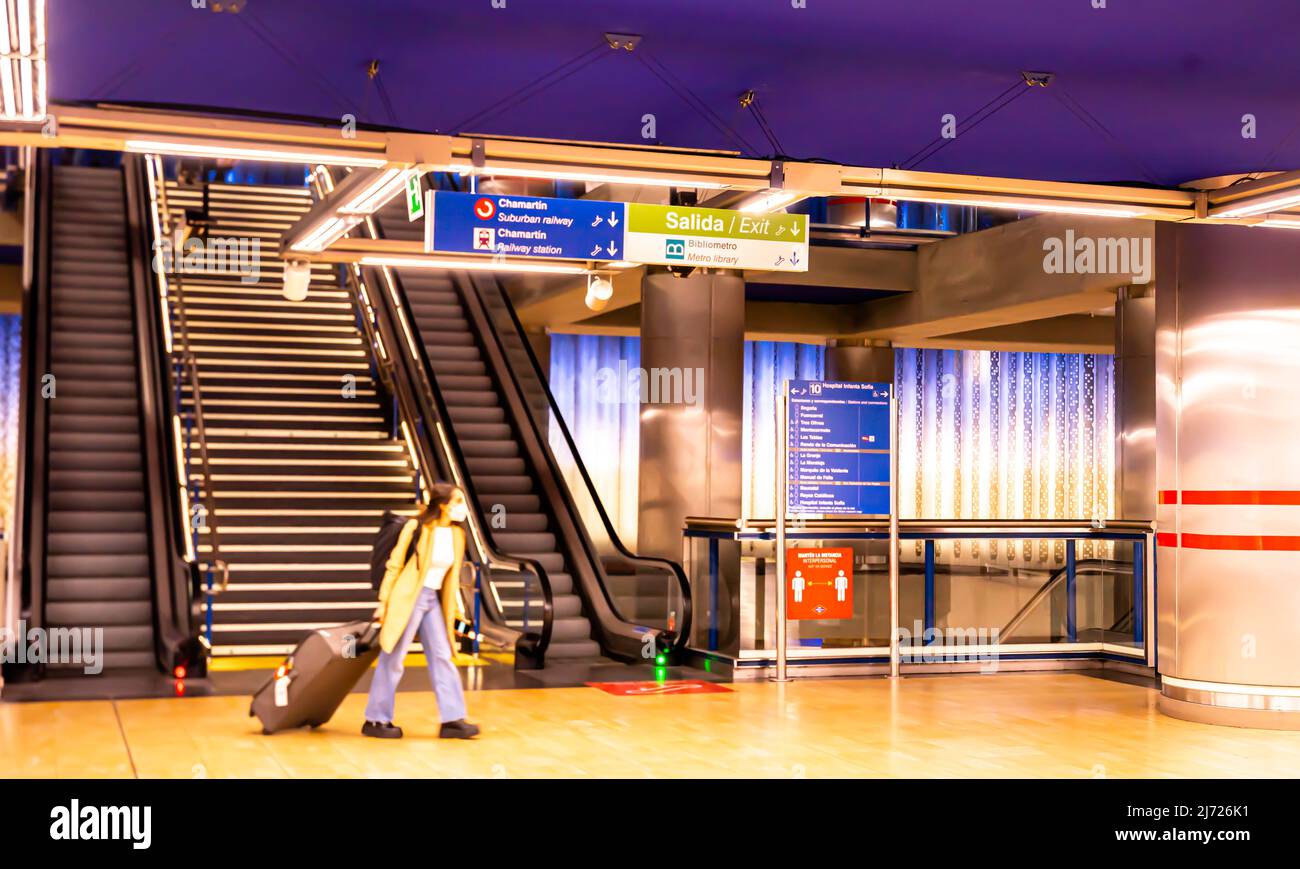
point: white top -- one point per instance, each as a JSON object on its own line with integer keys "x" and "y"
{"x": 441, "y": 558}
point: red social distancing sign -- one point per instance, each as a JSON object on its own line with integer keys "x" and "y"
{"x": 819, "y": 583}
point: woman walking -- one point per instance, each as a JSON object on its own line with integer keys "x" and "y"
{"x": 419, "y": 595}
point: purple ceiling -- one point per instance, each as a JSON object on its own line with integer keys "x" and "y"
{"x": 1146, "y": 90}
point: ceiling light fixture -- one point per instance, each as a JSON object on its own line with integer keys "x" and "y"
{"x": 1280, "y": 221}
{"x": 22, "y": 65}
{"x": 378, "y": 192}
{"x": 1261, "y": 206}
{"x": 191, "y": 149}
{"x": 579, "y": 175}
{"x": 769, "y": 201}
{"x": 1099, "y": 210}
{"x": 483, "y": 265}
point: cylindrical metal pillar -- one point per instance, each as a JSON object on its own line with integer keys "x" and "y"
{"x": 1228, "y": 472}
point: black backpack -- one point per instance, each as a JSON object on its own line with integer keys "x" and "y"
{"x": 390, "y": 528}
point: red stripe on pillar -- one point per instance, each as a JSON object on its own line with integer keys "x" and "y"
{"x": 1241, "y": 542}
{"x": 1165, "y": 538}
{"x": 1232, "y": 498}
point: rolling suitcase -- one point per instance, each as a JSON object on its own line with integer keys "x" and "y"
{"x": 311, "y": 683}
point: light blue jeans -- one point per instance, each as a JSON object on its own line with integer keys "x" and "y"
{"x": 426, "y": 617}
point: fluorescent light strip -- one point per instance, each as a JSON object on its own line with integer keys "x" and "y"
{"x": 1280, "y": 222}
{"x": 325, "y": 234}
{"x": 188, "y": 149}
{"x": 401, "y": 262}
{"x": 1272, "y": 203}
{"x": 770, "y": 201}
{"x": 10, "y": 107}
{"x": 1029, "y": 205}
{"x": 578, "y": 175}
{"x": 24, "y": 28}
{"x": 29, "y": 97}
{"x": 377, "y": 193}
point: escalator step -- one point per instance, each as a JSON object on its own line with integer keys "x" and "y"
{"x": 104, "y": 460}
{"x": 74, "y": 566}
{"x": 519, "y": 541}
{"x": 100, "y": 614}
{"x": 97, "y": 543}
{"x": 94, "y": 481}
{"x": 502, "y": 449}
{"x": 491, "y": 465}
{"x": 513, "y": 485}
{"x": 513, "y": 503}
{"x": 88, "y": 522}
{"x": 99, "y": 589}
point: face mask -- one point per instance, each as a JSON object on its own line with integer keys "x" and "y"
{"x": 458, "y": 513}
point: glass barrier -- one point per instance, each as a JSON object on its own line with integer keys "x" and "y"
{"x": 1041, "y": 588}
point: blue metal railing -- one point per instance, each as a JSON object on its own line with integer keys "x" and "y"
{"x": 1137, "y": 534}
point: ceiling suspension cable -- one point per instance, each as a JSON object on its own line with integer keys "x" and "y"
{"x": 678, "y": 87}
{"x": 535, "y": 87}
{"x": 749, "y": 100}
{"x": 983, "y": 113}
{"x": 1090, "y": 120}
{"x": 262, "y": 32}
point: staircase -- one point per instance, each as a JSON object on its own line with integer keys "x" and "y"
{"x": 506, "y": 485}
{"x": 97, "y": 567}
{"x": 303, "y": 459}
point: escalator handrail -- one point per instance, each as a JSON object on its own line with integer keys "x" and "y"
{"x": 176, "y": 577}
{"x": 684, "y": 585}
{"x": 1087, "y": 565}
{"x": 31, "y": 500}
{"x": 583, "y": 559}
{"x": 427, "y": 403}
{"x": 188, "y": 364}
{"x": 430, "y": 405}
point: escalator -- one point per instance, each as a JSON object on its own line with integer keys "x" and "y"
{"x": 509, "y": 493}
{"x": 97, "y": 543}
{"x": 493, "y": 398}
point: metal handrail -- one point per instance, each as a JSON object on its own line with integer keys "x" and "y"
{"x": 1091, "y": 565}
{"x": 188, "y": 365}
{"x": 372, "y": 314}
{"x": 921, "y": 527}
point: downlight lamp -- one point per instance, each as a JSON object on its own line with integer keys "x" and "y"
{"x": 297, "y": 276}
{"x": 599, "y": 292}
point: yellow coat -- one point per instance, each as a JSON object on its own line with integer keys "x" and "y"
{"x": 403, "y": 582}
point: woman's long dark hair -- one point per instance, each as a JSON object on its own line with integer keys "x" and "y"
{"x": 438, "y": 498}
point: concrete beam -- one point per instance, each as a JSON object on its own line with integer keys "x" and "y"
{"x": 859, "y": 268}
{"x": 562, "y": 302}
{"x": 997, "y": 277}
{"x": 1076, "y": 333}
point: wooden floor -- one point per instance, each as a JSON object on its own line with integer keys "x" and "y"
{"x": 1004, "y": 725}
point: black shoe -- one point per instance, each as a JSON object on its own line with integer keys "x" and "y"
{"x": 381, "y": 730}
{"x": 458, "y": 730}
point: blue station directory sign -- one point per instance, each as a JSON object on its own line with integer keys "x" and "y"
{"x": 525, "y": 226}
{"x": 838, "y": 448}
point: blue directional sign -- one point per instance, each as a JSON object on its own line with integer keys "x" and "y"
{"x": 838, "y": 448}
{"x": 526, "y": 226}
